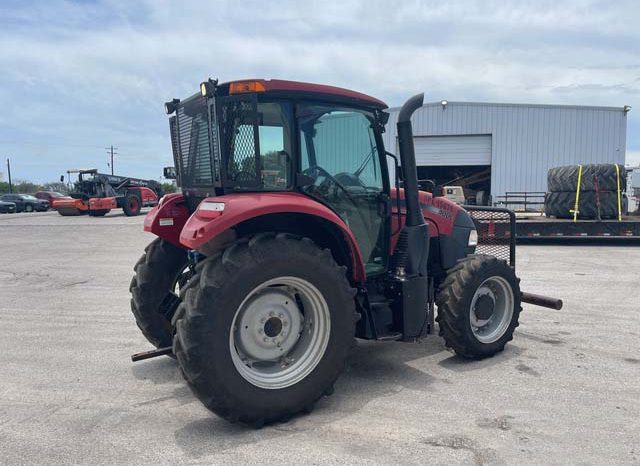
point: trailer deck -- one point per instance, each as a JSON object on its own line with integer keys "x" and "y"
{"x": 543, "y": 228}
{"x": 495, "y": 226}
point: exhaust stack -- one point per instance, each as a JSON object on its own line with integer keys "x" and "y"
{"x": 408, "y": 159}
{"x": 412, "y": 251}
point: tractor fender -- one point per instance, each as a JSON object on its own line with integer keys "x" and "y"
{"x": 167, "y": 219}
{"x": 225, "y": 212}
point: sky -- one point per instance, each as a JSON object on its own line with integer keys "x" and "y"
{"x": 77, "y": 77}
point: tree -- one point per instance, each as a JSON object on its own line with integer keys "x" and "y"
{"x": 168, "y": 187}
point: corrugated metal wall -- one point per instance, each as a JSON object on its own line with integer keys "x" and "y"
{"x": 527, "y": 140}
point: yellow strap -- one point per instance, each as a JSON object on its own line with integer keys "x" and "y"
{"x": 619, "y": 200}
{"x": 575, "y": 207}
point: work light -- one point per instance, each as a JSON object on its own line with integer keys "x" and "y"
{"x": 170, "y": 107}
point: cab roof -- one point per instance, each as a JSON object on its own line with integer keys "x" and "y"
{"x": 301, "y": 89}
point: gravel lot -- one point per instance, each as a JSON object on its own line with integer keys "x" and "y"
{"x": 566, "y": 391}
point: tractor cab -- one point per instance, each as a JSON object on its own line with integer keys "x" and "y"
{"x": 288, "y": 240}
{"x": 278, "y": 136}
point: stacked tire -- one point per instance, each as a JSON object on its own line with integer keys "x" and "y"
{"x": 563, "y": 187}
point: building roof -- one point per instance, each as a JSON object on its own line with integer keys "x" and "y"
{"x": 503, "y": 104}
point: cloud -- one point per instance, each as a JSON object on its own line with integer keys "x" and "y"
{"x": 80, "y": 76}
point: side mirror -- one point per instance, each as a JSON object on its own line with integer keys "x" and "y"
{"x": 61, "y": 178}
{"x": 170, "y": 173}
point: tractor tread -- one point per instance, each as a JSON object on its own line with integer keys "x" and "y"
{"x": 153, "y": 273}
{"x": 454, "y": 298}
{"x": 194, "y": 329}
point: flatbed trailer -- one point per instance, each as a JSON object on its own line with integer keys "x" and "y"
{"x": 543, "y": 228}
{"x": 495, "y": 226}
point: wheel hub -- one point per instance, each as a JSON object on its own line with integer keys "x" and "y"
{"x": 491, "y": 309}
{"x": 484, "y": 307}
{"x": 269, "y": 325}
{"x": 280, "y": 332}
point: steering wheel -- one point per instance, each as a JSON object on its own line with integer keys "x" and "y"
{"x": 350, "y": 179}
{"x": 328, "y": 176}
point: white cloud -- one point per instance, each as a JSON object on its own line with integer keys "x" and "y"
{"x": 96, "y": 74}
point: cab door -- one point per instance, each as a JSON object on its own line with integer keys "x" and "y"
{"x": 340, "y": 151}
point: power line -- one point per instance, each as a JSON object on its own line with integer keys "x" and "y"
{"x": 110, "y": 150}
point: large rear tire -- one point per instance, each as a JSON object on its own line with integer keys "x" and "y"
{"x": 561, "y": 204}
{"x": 265, "y": 328}
{"x": 478, "y": 306}
{"x": 566, "y": 178}
{"x": 160, "y": 272}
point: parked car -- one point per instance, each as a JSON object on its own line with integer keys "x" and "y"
{"x": 7, "y": 207}
{"x": 26, "y": 202}
{"x": 51, "y": 197}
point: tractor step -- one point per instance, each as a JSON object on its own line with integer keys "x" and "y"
{"x": 393, "y": 336}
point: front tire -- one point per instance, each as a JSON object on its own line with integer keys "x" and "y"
{"x": 158, "y": 271}
{"x": 99, "y": 213}
{"x": 478, "y": 306}
{"x": 253, "y": 368}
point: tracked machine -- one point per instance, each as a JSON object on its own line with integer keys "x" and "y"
{"x": 288, "y": 239}
{"x": 96, "y": 194}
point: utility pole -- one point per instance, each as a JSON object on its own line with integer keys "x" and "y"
{"x": 9, "y": 173}
{"x": 110, "y": 150}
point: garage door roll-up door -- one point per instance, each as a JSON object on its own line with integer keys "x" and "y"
{"x": 453, "y": 150}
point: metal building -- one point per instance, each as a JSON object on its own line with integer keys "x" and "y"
{"x": 514, "y": 143}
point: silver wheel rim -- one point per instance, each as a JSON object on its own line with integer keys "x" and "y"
{"x": 280, "y": 333}
{"x": 492, "y": 328}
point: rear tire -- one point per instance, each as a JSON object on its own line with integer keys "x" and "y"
{"x": 470, "y": 323}
{"x": 157, "y": 272}
{"x": 482, "y": 198}
{"x": 566, "y": 178}
{"x": 209, "y": 340}
{"x": 132, "y": 205}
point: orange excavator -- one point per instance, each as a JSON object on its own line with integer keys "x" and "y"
{"x": 96, "y": 194}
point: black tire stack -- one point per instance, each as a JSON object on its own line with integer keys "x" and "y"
{"x": 563, "y": 186}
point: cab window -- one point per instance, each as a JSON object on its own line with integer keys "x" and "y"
{"x": 259, "y": 146}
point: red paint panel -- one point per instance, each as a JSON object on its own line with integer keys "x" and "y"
{"x": 167, "y": 219}
{"x": 102, "y": 203}
{"x": 439, "y": 212}
{"x": 71, "y": 203}
{"x": 296, "y": 86}
{"x": 243, "y": 206}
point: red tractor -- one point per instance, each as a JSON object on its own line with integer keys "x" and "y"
{"x": 289, "y": 239}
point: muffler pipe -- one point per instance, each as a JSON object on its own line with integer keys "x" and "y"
{"x": 408, "y": 160}
{"x": 539, "y": 300}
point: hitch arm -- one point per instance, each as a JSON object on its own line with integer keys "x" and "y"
{"x": 152, "y": 354}
{"x": 544, "y": 301}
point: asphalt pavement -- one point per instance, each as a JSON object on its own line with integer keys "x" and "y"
{"x": 565, "y": 391}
